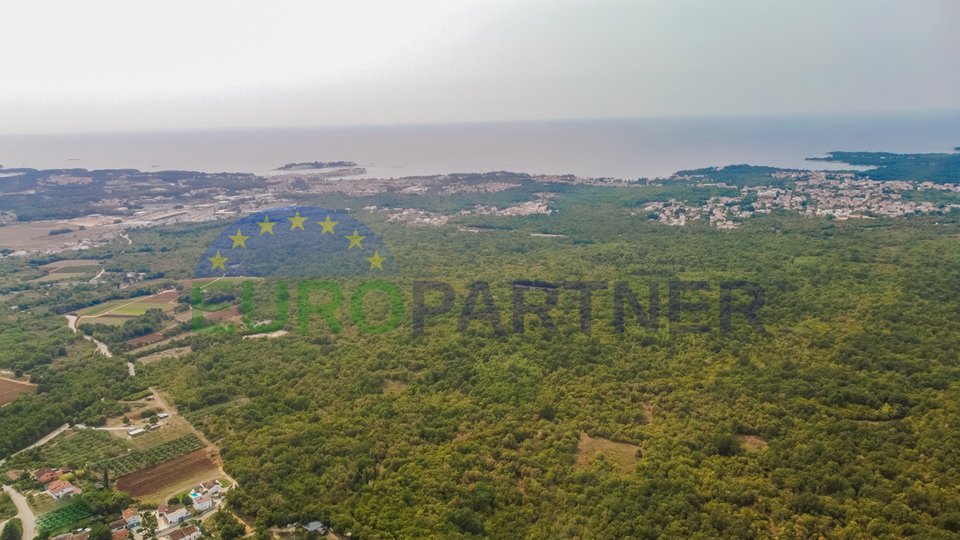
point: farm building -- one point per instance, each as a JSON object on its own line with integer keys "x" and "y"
{"x": 136, "y": 432}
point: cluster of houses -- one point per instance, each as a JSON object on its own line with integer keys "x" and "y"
{"x": 835, "y": 194}
{"x": 54, "y": 484}
{"x": 205, "y": 496}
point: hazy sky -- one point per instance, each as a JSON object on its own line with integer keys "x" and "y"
{"x": 122, "y": 65}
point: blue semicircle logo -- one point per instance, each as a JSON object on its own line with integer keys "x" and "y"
{"x": 296, "y": 241}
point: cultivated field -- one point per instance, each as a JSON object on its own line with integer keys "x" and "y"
{"x": 118, "y": 311}
{"x": 74, "y": 448}
{"x": 70, "y": 269}
{"x": 169, "y": 477}
{"x": 10, "y": 390}
{"x": 139, "y": 460}
{"x": 62, "y": 517}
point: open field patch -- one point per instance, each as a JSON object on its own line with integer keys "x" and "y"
{"x": 175, "y": 352}
{"x": 169, "y": 475}
{"x": 622, "y": 456}
{"x": 752, "y": 443}
{"x": 11, "y": 390}
{"x": 393, "y": 386}
{"x": 35, "y": 235}
{"x": 70, "y": 263}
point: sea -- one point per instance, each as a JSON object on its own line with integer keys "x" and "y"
{"x": 620, "y": 148}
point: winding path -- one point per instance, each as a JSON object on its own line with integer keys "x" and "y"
{"x": 101, "y": 346}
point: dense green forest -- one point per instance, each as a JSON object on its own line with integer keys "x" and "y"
{"x": 839, "y": 420}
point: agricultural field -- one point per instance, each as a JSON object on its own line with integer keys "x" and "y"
{"x": 75, "y": 269}
{"x": 63, "y": 517}
{"x": 143, "y": 459}
{"x": 11, "y": 389}
{"x": 119, "y": 311}
{"x": 169, "y": 477}
{"x": 75, "y": 449}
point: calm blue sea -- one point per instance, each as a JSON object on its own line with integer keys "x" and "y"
{"x": 628, "y": 148}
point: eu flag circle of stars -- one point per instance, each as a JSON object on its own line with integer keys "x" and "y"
{"x": 327, "y": 226}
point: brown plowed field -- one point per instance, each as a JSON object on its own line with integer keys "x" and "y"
{"x": 169, "y": 473}
{"x": 9, "y": 390}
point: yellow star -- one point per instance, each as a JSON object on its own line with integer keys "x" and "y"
{"x": 266, "y": 226}
{"x": 239, "y": 240}
{"x": 376, "y": 261}
{"x": 296, "y": 222}
{"x": 218, "y": 261}
{"x": 327, "y": 226}
{"x": 355, "y": 240}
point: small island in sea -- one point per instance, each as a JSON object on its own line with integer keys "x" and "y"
{"x": 306, "y": 165}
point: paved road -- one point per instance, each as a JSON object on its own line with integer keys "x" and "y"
{"x": 24, "y": 513}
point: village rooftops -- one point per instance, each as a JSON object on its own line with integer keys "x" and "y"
{"x": 169, "y": 509}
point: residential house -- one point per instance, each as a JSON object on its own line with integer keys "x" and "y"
{"x": 132, "y": 517}
{"x": 85, "y": 535}
{"x": 45, "y": 476}
{"x": 210, "y": 486}
{"x": 186, "y": 533}
{"x": 60, "y": 489}
{"x": 172, "y": 513}
{"x": 203, "y": 503}
{"x": 122, "y": 534}
{"x": 118, "y": 525}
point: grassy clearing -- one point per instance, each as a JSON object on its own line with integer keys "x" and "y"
{"x": 622, "y": 456}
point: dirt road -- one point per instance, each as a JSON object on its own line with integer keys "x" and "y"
{"x": 24, "y": 512}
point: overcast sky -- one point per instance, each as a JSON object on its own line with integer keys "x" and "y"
{"x": 71, "y": 66}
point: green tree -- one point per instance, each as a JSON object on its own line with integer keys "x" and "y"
{"x": 13, "y": 530}
{"x": 100, "y": 532}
